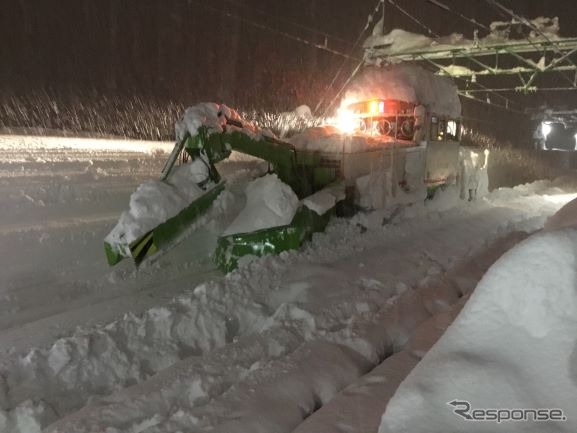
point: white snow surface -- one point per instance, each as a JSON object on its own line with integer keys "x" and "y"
{"x": 34, "y": 143}
{"x": 269, "y": 203}
{"x": 512, "y": 346}
{"x": 324, "y": 200}
{"x": 406, "y": 82}
{"x": 175, "y": 346}
{"x": 156, "y": 201}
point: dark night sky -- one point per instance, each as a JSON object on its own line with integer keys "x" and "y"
{"x": 190, "y": 50}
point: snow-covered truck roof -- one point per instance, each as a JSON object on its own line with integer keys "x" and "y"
{"x": 409, "y": 83}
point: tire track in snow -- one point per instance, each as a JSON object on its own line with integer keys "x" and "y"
{"x": 58, "y": 224}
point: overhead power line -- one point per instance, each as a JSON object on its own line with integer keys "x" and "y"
{"x": 459, "y": 14}
{"x": 416, "y": 20}
{"x": 287, "y": 21}
{"x": 287, "y": 35}
{"x": 370, "y": 20}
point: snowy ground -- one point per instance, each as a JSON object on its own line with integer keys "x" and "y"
{"x": 178, "y": 347}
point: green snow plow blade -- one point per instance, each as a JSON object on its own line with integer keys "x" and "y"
{"x": 165, "y": 233}
{"x": 270, "y": 241}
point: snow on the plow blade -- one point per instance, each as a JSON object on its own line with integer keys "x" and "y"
{"x": 156, "y": 201}
{"x": 269, "y": 203}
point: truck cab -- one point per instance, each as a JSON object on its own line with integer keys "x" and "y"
{"x": 407, "y": 124}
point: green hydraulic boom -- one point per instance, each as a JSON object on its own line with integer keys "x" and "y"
{"x": 302, "y": 171}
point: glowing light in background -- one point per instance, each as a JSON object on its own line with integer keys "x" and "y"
{"x": 546, "y": 128}
{"x": 346, "y": 121}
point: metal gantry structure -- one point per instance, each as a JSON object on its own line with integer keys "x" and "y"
{"x": 469, "y": 63}
{"x": 519, "y": 48}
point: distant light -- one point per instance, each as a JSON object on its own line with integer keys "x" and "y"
{"x": 575, "y": 142}
{"x": 546, "y": 128}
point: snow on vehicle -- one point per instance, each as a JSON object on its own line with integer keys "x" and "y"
{"x": 384, "y": 149}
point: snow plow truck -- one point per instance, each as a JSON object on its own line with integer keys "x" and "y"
{"x": 395, "y": 140}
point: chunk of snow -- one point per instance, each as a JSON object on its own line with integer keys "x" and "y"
{"x": 269, "y": 203}
{"x": 204, "y": 114}
{"x": 397, "y": 40}
{"x": 156, "y": 201}
{"x": 512, "y": 346}
{"x": 324, "y": 200}
{"x": 210, "y": 115}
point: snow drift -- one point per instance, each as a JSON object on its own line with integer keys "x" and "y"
{"x": 513, "y": 346}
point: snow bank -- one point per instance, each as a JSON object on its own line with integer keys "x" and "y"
{"x": 37, "y": 142}
{"x": 269, "y": 203}
{"x": 564, "y": 218}
{"x": 512, "y": 346}
{"x": 408, "y": 83}
{"x": 156, "y": 201}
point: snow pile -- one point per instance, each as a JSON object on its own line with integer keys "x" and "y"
{"x": 269, "y": 203}
{"x": 322, "y": 138}
{"x": 408, "y": 83}
{"x": 205, "y": 114}
{"x": 212, "y": 116}
{"x": 324, "y": 200}
{"x": 96, "y": 362}
{"x": 156, "y": 201}
{"x": 512, "y": 346}
{"x": 397, "y": 40}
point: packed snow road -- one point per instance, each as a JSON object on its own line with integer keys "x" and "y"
{"x": 177, "y": 346}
